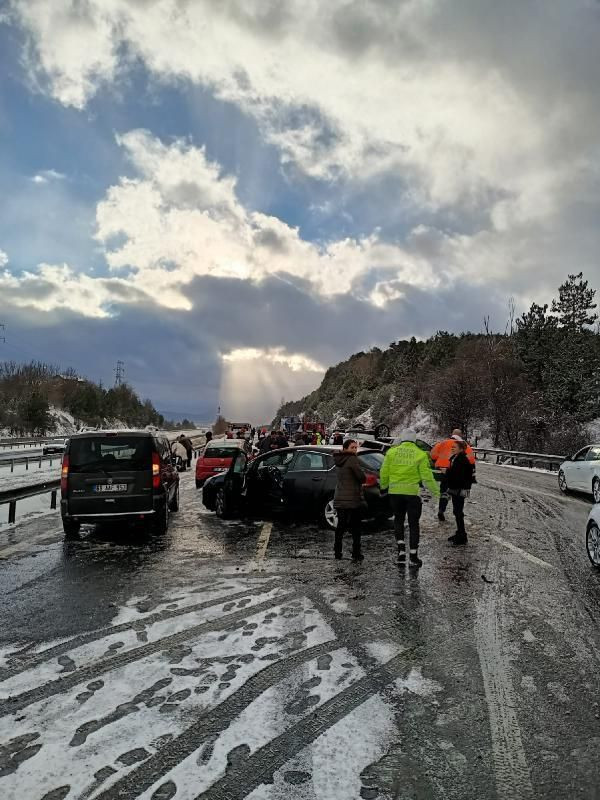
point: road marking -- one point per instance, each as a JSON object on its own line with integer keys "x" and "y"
{"x": 263, "y": 541}
{"x": 521, "y": 552}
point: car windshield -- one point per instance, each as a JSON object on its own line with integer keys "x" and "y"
{"x": 220, "y": 452}
{"x": 110, "y": 453}
{"x": 371, "y": 461}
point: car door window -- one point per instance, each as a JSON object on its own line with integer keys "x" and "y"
{"x": 593, "y": 454}
{"x": 307, "y": 461}
{"x": 281, "y": 459}
{"x": 239, "y": 464}
{"x": 581, "y": 455}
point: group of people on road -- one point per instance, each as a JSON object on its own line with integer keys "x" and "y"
{"x": 404, "y": 470}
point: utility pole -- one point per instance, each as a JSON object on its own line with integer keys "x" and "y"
{"x": 119, "y": 373}
{"x": 2, "y": 333}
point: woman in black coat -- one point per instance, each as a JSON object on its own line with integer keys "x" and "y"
{"x": 349, "y": 498}
{"x": 459, "y": 477}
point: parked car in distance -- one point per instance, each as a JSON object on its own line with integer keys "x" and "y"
{"x": 118, "y": 475}
{"x": 54, "y": 447}
{"x": 216, "y": 458}
{"x": 298, "y": 482}
{"x": 581, "y": 472}
{"x": 592, "y": 536}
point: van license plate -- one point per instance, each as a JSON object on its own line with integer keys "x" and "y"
{"x": 110, "y": 487}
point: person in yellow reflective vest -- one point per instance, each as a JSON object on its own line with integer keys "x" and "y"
{"x": 405, "y": 468}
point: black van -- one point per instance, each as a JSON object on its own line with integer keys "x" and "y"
{"x": 118, "y": 475}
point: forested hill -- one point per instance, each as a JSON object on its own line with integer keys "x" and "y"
{"x": 535, "y": 387}
{"x": 29, "y": 393}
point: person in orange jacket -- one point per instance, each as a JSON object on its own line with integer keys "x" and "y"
{"x": 441, "y": 454}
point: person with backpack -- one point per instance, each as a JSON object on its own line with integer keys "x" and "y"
{"x": 440, "y": 455}
{"x": 348, "y": 499}
{"x": 459, "y": 479}
{"x": 405, "y": 467}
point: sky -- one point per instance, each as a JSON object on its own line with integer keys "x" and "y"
{"x": 230, "y": 197}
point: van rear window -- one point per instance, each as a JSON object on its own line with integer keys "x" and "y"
{"x": 220, "y": 452}
{"x": 110, "y": 453}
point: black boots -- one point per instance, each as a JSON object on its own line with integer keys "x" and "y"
{"x": 414, "y": 560}
{"x": 401, "y": 551}
{"x": 458, "y": 538}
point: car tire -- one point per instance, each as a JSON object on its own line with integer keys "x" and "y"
{"x": 592, "y": 544}
{"x": 221, "y": 505}
{"x": 562, "y": 482}
{"x": 174, "y": 504}
{"x": 160, "y": 524}
{"x": 329, "y": 515}
{"x": 71, "y": 528}
{"x": 596, "y": 490}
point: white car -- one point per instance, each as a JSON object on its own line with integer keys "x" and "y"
{"x": 582, "y": 472}
{"x": 592, "y": 536}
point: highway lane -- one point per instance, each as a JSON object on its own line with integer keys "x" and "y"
{"x": 238, "y": 659}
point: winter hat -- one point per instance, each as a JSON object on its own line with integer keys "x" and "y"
{"x": 457, "y": 438}
{"x": 407, "y": 435}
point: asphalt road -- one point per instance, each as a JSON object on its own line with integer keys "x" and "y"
{"x": 233, "y": 660}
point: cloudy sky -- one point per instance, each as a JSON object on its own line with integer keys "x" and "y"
{"x": 231, "y": 196}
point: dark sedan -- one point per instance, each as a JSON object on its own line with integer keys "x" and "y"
{"x": 296, "y": 482}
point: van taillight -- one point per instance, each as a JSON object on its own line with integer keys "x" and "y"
{"x": 64, "y": 474}
{"x": 371, "y": 479}
{"x": 155, "y": 471}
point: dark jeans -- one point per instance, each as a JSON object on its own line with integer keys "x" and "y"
{"x": 190, "y": 454}
{"x": 444, "y": 496}
{"x": 458, "y": 509}
{"x": 348, "y": 520}
{"x": 404, "y": 505}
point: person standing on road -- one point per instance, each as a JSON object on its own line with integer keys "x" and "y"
{"x": 189, "y": 448}
{"x": 208, "y": 435}
{"x": 179, "y": 450}
{"x": 459, "y": 479}
{"x": 440, "y": 455}
{"x": 264, "y": 444}
{"x": 348, "y": 499}
{"x": 405, "y": 467}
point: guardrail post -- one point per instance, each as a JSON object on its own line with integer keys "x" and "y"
{"x": 40, "y": 464}
{"x": 26, "y": 463}
{"x": 12, "y": 465}
{"x": 53, "y": 499}
{"x": 12, "y": 511}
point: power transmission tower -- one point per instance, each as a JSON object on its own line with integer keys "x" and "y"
{"x": 119, "y": 373}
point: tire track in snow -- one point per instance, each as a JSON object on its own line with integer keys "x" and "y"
{"x": 89, "y": 673}
{"x": 35, "y": 659}
{"x": 208, "y": 725}
{"x": 242, "y": 778}
{"x": 510, "y": 764}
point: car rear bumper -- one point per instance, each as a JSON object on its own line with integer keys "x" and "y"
{"x": 135, "y": 507}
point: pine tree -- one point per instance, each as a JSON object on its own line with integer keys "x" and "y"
{"x": 575, "y": 304}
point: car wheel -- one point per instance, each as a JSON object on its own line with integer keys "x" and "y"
{"x": 161, "y": 521}
{"x": 71, "y": 528}
{"x": 221, "y": 505}
{"x": 174, "y": 504}
{"x": 330, "y": 517}
{"x": 562, "y": 482}
{"x": 596, "y": 490}
{"x": 592, "y": 544}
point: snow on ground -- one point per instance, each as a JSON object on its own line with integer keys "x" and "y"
{"x": 104, "y": 724}
{"x": 419, "y": 421}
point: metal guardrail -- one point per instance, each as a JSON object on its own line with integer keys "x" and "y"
{"x": 519, "y": 459}
{"x": 30, "y": 442}
{"x": 12, "y": 496}
{"x": 27, "y": 460}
